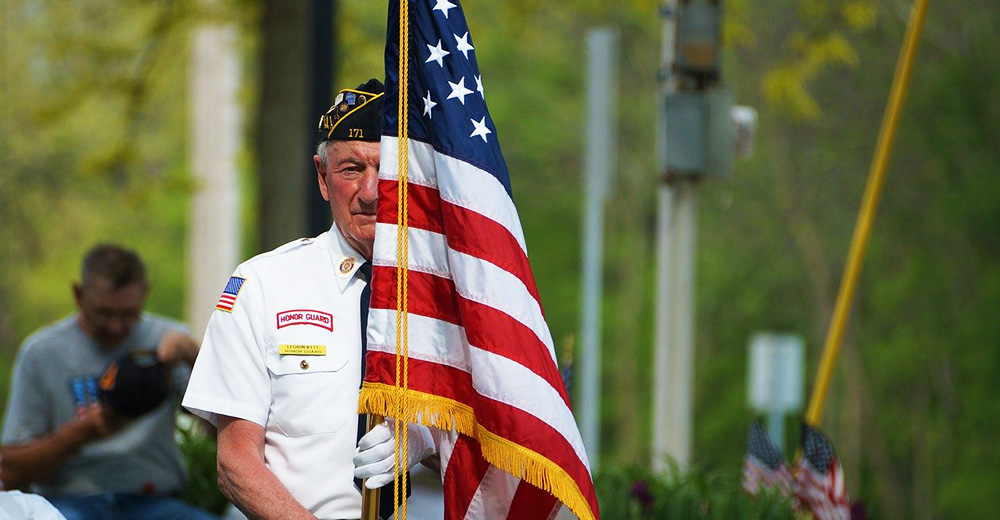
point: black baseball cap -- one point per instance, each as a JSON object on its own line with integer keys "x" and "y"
{"x": 134, "y": 384}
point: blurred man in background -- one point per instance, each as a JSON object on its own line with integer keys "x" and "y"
{"x": 90, "y": 416}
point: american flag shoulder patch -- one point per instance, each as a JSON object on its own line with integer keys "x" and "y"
{"x": 228, "y": 298}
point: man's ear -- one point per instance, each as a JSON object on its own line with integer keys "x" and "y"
{"x": 321, "y": 178}
{"x": 78, "y": 294}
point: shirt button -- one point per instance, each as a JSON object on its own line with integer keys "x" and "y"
{"x": 304, "y": 365}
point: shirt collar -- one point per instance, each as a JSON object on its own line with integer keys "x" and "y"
{"x": 344, "y": 258}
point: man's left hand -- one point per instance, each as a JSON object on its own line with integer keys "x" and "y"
{"x": 375, "y": 459}
{"x": 177, "y": 346}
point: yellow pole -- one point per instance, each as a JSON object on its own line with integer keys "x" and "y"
{"x": 370, "y": 498}
{"x": 402, "y": 267}
{"x": 876, "y": 177}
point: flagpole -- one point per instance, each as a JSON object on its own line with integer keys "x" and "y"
{"x": 402, "y": 267}
{"x": 866, "y": 216}
{"x": 370, "y": 497}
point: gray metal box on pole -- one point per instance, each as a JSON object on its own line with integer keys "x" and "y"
{"x": 700, "y": 133}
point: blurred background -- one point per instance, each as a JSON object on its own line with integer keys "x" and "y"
{"x": 98, "y": 144}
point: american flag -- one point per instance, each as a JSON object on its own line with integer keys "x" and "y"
{"x": 819, "y": 479}
{"x": 764, "y": 465}
{"x": 229, "y": 294}
{"x": 482, "y": 365}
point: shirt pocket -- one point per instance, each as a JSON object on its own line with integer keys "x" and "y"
{"x": 311, "y": 394}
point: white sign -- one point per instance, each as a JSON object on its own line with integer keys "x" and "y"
{"x": 776, "y": 372}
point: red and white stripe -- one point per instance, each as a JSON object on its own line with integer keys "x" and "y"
{"x": 226, "y": 302}
{"x": 823, "y": 495}
{"x": 757, "y": 476}
{"x": 477, "y": 333}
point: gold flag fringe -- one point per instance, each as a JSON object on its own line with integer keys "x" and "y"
{"x": 447, "y": 414}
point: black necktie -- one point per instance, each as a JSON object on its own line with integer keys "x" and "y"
{"x": 365, "y": 272}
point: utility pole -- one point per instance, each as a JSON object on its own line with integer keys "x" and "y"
{"x": 665, "y": 197}
{"x": 696, "y": 134}
{"x": 602, "y": 99}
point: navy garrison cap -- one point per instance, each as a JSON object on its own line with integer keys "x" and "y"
{"x": 356, "y": 114}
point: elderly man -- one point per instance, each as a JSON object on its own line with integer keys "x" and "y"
{"x": 94, "y": 453}
{"x": 280, "y": 368}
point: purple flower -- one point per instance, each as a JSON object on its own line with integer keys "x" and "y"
{"x": 858, "y": 511}
{"x": 640, "y": 490}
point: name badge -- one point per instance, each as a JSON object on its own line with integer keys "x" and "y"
{"x": 302, "y": 350}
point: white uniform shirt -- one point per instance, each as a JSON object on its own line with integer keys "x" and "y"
{"x": 15, "y": 505}
{"x": 302, "y": 297}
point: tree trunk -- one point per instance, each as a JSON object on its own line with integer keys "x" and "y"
{"x": 284, "y": 167}
{"x": 215, "y": 129}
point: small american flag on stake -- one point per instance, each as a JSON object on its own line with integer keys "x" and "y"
{"x": 819, "y": 479}
{"x": 764, "y": 465}
{"x": 228, "y": 298}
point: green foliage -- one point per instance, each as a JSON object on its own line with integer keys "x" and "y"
{"x": 92, "y": 117}
{"x": 198, "y": 450}
{"x": 638, "y": 494}
{"x": 809, "y": 38}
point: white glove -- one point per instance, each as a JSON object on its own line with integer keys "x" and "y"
{"x": 376, "y": 457}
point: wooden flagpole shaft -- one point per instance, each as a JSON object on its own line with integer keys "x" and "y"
{"x": 876, "y": 178}
{"x": 370, "y": 497}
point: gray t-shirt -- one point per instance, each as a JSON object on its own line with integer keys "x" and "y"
{"x": 55, "y": 378}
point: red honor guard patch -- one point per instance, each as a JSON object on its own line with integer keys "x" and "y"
{"x": 305, "y": 317}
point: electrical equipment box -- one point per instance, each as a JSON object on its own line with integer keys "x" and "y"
{"x": 700, "y": 133}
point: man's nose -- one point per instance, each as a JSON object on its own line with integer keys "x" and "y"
{"x": 369, "y": 186}
{"x": 118, "y": 325}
